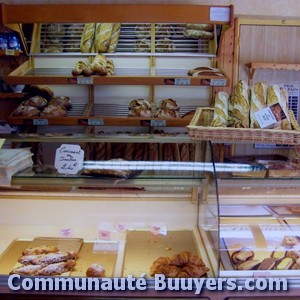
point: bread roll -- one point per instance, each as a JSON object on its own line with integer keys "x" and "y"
{"x": 26, "y": 111}
{"x": 87, "y": 38}
{"x": 103, "y": 36}
{"x": 241, "y": 107}
{"x": 258, "y": 100}
{"x": 53, "y": 111}
{"x": 114, "y": 38}
{"x": 220, "y": 110}
{"x": 36, "y": 101}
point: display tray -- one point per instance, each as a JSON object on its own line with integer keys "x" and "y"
{"x": 200, "y": 129}
{"x": 143, "y": 248}
{"x": 89, "y": 252}
{"x": 268, "y": 245}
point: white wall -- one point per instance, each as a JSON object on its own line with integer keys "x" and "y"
{"x": 279, "y": 8}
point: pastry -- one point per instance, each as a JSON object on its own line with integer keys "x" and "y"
{"x": 53, "y": 111}
{"x": 56, "y": 269}
{"x": 114, "y": 39}
{"x": 29, "y": 270}
{"x": 46, "y": 259}
{"x": 285, "y": 263}
{"x": 181, "y": 265}
{"x": 95, "y": 270}
{"x": 258, "y": 101}
{"x": 279, "y": 253}
{"x": 267, "y": 264}
{"x": 43, "y": 249}
{"x": 290, "y": 241}
{"x": 220, "y": 117}
{"x": 248, "y": 264}
{"x": 87, "y": 38}
{"x": 26, "y": 111}
{"x": 63, "y": 101}
{"x": 102, "y": 36}
{"x": 36, "y": 101}
{"x": 242, "y": 255}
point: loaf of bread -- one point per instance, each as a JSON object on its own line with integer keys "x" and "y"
{"x": 142, "y": 45}
{"x": 142, "y": 31}
{"x": 258, "y": 100}
{"x": 87, "y": 38}
{"x": 139, "y": 108}
{"x": 164, "y": 45}
{"x": 26, "y": 111}
{"x": 53, "y": 111}
{"x": 36, "y": 101}
{"x": 241, "y": 106}
{"x": 206, "y": 27}
{"x": 198, "y": 34}
{"x": 63, "y": 101}
{"x": 114, "y": 39}
{"x": 284, "y": 103}
{"x": 103, "y": 36}
{"x": 41, "y": 90}
{"x": 220, "y": 117}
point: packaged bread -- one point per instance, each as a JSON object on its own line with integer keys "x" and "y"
{"x": 206, "y": 27}
{"x": 114, "y": 39}
{"x": 277, "y": 101}
{"x": 102, "y": 37}
{"x": 241, "y": 106}
{"x": 99, "y": 64}
{"x": 87, "y": 38}
{"x": 284, "y": 103}
{"x": 220, "y": 117}
{"x": 258, "y": 101}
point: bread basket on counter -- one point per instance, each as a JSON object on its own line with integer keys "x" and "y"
{"x": 200, "y": 129}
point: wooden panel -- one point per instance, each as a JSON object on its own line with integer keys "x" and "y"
{"x": 107, "y": 13}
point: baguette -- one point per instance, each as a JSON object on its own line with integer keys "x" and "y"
{"x": 115, "y": 33}
{"x": 258, "y": 100}
{"x": 87, "y": 38}
{"x": 220, "y": 117}
{"x": 102, "y": 37}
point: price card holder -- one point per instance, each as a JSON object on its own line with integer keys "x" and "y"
{"x": 95, "y": 122}
{"x": 158, "y": 123}
{"x": 40, "y": 122}
{"x": 218, "y": 82}
{"x": 69, "y": 159}
{"x": 220, "y": 14}
{"x": 182, "y": 81}
{"x": 85, "y": 80}
{"x": 10, "y": 52}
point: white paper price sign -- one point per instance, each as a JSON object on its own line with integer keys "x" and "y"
{"x": 66, "y": 232}
{"x": 265, "y": 117}
{"x": 158, "y": 229}
{"x": 69, "y": 159}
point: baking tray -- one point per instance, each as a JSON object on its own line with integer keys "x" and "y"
{"x": 143, "y": 247}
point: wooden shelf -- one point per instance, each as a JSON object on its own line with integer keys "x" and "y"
{"x": 253, "y": 66}
{"x": 10, "y": 52}
{"x": 6, "y": 96}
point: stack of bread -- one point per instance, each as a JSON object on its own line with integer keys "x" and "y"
{"x": 100, "y": 65}
{"x": 238, "y": 110}
{"x": 100, "y": 37}
{"x": 41, "y": 102}
{"x": 139, "y": 108}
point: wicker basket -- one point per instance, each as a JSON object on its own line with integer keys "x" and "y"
{"x": 200, "y": 129}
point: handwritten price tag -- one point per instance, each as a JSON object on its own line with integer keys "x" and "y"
{"x": 158, "y": 229}
{"x": 104, "y": 235}
{"x": 69, "y": 159}
{"x": 66, "y": 232}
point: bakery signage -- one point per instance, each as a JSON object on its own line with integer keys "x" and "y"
{"x": 69, "y": 159}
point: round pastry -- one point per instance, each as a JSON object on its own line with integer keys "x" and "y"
{"x": 95, "y": 270}
{"x": 290, "y": 241}
{"x": 36, "y": 101}
{"x": 182, "y": 265}
{"x": 53, "y": 111}
{"x": 27, "y": 111}
{"x": 63, "y": 101}
{"x": 164, "y": 45}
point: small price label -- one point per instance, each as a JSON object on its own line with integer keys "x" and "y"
{"x": 85, "y": 80}
{"x": 218, "y": 82}
{"x": 95, "y": 122}
{"x": 122, "y": 227}
{"x": 40, "y": 122}
{"x": 9, "y": 52}
{"x": 66, "y": 232}
{"x": 104, "y": 234}
{"x": 158, "y": 123}
{"x": 69, "y": 159}
{"x": 182, "y": 81}
{"x": 265, "y": 118}
{"x": 158, "y": 229}
{"x": 220, "y": 14}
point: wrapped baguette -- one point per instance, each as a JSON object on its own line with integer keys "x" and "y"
{"x": 284, "y": 103}
{"x": 258, "y": 101}
{"x": 220, "y": 110}
{"x": 102, "y": 37}
{"x": 87, "y": 38}
{"x": 115, "y": 33}
{"x": 241, "y": 105}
